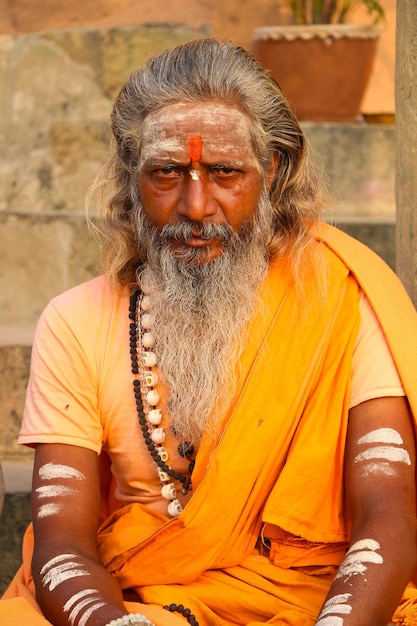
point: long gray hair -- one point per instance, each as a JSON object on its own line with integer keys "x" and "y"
{"x": 199, "y": 71}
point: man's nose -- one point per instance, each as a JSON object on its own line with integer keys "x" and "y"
{"x": 196, "y": 202}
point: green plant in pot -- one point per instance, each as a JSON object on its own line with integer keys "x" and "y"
{"x": 322, "y": 61}
{"x": 332, "y": 11}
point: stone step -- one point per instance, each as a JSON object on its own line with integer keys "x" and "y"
{"x": 17, "y": 473}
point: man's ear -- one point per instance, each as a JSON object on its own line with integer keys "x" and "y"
{"x": 272, "y": 170}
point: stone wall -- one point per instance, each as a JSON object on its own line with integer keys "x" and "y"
{"x": 231, "y": 19}
{"x": 57, "y": 88}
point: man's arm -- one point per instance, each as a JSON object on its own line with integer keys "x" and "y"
{"x": 72, "y": 587}
{"x": 381, "y": 499}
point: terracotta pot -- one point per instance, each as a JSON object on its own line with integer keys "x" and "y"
{"x": 323, "y": 69}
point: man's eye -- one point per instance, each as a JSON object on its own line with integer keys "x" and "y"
{"x": 167, "y": 171}
{"x": 224, "y": 170}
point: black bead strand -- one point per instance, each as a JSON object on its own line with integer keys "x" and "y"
{"x": 186, "y": 448}
{"x": 180, "y": 608}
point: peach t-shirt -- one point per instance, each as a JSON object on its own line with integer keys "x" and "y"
{"x": 81, "y": 391}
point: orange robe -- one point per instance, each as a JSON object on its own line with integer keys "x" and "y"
{"x": 261, "y": 477}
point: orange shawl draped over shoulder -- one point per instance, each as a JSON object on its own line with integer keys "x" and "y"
{"x": 277, "y": 470}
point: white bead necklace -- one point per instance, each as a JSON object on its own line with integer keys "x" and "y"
{"x": 145, "y": 381}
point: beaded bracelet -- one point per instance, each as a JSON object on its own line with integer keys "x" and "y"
{"x": 180, "y": 608}
{"x": 130, "y": 620}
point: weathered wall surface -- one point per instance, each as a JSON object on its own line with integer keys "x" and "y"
{"x": 57, "y": 88}
{"x": 233, "y": 19}
{"x": 23, "y": 16}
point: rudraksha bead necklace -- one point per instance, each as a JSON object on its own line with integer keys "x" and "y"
{"x": 180, "y": 608}
{"x": 147, "y": 398}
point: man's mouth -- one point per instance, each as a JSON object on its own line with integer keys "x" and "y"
{"x": 196, "y": 240}
{"x": 196, "y": 235}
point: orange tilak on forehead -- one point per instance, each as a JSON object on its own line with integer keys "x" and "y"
{"x": 195, "y": 147}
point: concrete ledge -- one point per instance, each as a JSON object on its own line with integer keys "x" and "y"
{"x": 17, "y": 474}
{"x": 16, "y": 335}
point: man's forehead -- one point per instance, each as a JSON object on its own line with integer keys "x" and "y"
{"x": 212, "y": 113}
{"x": 194, "y": 129}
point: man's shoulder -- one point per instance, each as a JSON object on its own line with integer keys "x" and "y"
{"x": 98, "y": 286}
{"x": 92, "y": 299}
{"x": 355, "y": 254}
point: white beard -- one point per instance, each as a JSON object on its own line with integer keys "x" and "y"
{"x": 200, "y": 312}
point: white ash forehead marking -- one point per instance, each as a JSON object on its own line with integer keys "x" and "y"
{"x": 208, "y": 112}
{"x": 158, "y": 127}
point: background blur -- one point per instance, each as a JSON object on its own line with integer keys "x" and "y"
{"x": 232, "y": 19}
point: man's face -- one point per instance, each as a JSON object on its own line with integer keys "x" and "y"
{"x": 198, "y": 166}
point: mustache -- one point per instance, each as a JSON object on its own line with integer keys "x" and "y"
{"x": 186, "y": 231}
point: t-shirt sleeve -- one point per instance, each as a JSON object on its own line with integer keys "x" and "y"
{"x": 374, "y": 373}
{"x": 61, "y": 402}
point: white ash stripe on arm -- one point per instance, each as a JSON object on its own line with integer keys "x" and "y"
{"x": 386, "y": 453}
{"x": 51, "y": 471}
{"x": 358, "y": 557}
{"x": 60, "y": 569}
{"x": 382, "y": 435}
